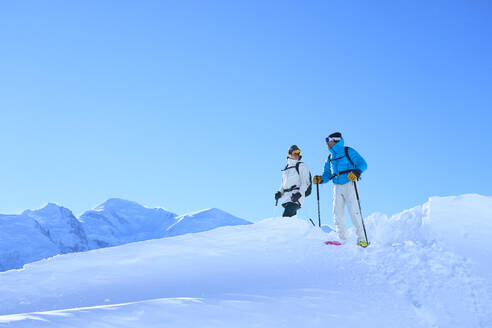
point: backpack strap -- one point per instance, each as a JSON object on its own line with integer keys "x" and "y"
{"x": 297, "y": 167}
{"x": 348, "y": 157}
{"x": 346, "y": 154}
{"x": 340, "y": 173}
{"x": 290, "y": 167}
{"x": 294, "y": 187}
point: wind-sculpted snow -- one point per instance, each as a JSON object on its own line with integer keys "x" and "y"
{"x": 273, "y": 273}
{"x": 449, "y": 236}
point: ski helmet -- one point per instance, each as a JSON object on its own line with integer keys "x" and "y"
{"x": 294, "y": 148}
{"x": 334, "y": 136}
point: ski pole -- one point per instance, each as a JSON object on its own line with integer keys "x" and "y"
{"x": 317, "y": 195}
{"x": 314, "y": 225}
{"x": 275, "y": 208}
{"x": 360, "y": 211}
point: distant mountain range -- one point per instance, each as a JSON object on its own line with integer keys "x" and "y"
{"x": 53, "y": 229}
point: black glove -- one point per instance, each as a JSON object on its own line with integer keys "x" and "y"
{"x": 295, "y": 197}
{"x": 278, "y": 195}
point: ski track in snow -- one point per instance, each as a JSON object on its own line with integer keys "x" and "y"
{"x": 296, "y": 308}
{"x": 275, "y": 273}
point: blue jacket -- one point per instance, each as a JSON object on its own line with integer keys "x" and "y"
{"x": 340, "y": 162}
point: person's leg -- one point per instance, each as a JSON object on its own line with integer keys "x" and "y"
{"x": 290, "y": 209}
{"x": 339, "y": 212}
{"x": 353, "y": 208}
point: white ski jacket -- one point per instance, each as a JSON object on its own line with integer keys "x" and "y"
{"x": 293, "y": 182}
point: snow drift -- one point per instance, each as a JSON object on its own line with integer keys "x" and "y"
{"x": 273, "y": 273}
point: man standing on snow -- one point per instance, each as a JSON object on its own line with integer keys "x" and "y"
{"x": 296, "y": 181}
{"x": 344, "y": 166}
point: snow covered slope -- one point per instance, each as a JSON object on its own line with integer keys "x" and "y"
{"x": 22, "y": 241}
{"x": 119, "y": 221}
{"x": 274, "y": 273}
{"x": 203, "y": 221}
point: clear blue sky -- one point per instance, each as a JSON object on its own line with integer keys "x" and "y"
{"x": 193, "y": 104}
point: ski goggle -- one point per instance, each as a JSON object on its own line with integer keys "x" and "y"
{"x": 336, "y": 139}
{"x": 297, "y": 151}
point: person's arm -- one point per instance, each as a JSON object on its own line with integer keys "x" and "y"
{"x": 282, "y": 184}
{"x": 305, "y": 180}
{"x": 280, "y": 192}
{"x": 326, "y": 176}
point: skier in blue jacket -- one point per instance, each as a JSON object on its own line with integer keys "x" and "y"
{"x": 344, "y": 166}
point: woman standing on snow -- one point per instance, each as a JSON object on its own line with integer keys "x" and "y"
{"x": 296, "y": 181}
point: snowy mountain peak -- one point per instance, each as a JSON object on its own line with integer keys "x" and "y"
{"x": 119, "y": 221}
{"x": 53, "y": 229}
{"x": 51, "y": 206}
{"x": 60, "y": 226}
{"x": 203, "y": 220}
{"x": 118, "y": 203}
{"x": 49, "y": 210}
{"x": 207, "y": 212}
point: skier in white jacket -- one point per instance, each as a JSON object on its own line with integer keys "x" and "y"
{"x": 295, "y": 182}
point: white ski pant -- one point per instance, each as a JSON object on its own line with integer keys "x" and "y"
{"x": 345, "y": 194}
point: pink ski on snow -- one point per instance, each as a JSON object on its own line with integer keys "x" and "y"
{"x": 333, "y": 242}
